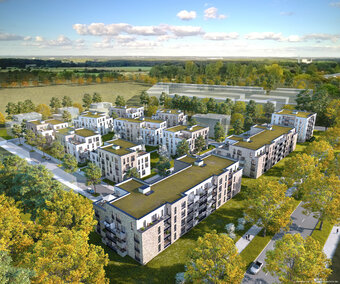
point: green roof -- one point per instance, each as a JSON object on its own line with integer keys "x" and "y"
{"x": 36, "y": 122}
{"x": 65, "y": 130}
{"x": 130, "y": 119}
{"x": 169, "y": 189}
{"x": 299, "y": 113}
{"x": 89, "y": 114}
{"x": 185, "y": 128}
{"x": 148, "y": 119}
{"x": 124, "y": 147}
{"x": 265, "y": 137}
{"x": 54, "y": 121}
{"x": 85, "y": 132}
{"x": 188, "y": 160}
{"x": 172, "y": 111}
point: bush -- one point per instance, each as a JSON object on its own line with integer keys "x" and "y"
{"x": 230, "y": 228}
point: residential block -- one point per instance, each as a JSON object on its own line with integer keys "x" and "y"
{"x": 128, "y": 111}
{"x": 171, "y": 116}
{"x": 95, "y": 121}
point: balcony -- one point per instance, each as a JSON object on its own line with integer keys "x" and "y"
{"x": 166, "y": 226}
{"x": 111, "y": 237}
{"x": 167, "y": 243}
{"x": 196, "y": 198}
{"x": 121, "y": 244}
{"x": 121, "y": 235}
{"x": 137, "y": 249}
{"x": 136, "y": 240}
{"x": 122, "y": 252}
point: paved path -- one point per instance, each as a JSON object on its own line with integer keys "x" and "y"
{"x": 302, "y": 224}
{"x": 243, "y": 242}
{"x": 332, "y": 242}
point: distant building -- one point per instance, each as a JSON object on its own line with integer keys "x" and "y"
{"x": 171, "y": 116}
{"x": 210, "y": 120}
{"x": 74, "y": 111}
{"x": 19, "y": 118}
{"x": 103, "y": 107}
{"x": 95, "y": 121}
{"x": 128, "y": 111}
{"x": 303, "y": 122}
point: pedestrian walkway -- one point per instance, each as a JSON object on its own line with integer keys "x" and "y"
{"x": 332, "y": 242}
{"x": 245, "y": 240}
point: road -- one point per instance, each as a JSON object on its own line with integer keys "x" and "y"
{"x": 302, "y": 224}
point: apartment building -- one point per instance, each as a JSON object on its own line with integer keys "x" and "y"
{"x": 303, "y": 122}
{"x": 46, "y": 128}
{"x": 103, "y": 107}
{"x": 173, "y": 135}
{"x": 128, "y": 111}
{"x": 117, "y": 156}
{"x": 260, "y": 148}
{"x": 141, "y": 220}
{"x": 79, "y": 142}
{"x": 171, "y": 116}
{"x": 141, "y": 131}
{"x": 95, "y": 121}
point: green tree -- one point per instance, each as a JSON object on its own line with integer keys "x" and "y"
{"x": 154, "y": 101}
{"x": 11, "y": 108}
{"x": 29, "y": 106}
{"x": 251, "y": 109}
{"x": 57, "y": 150}
{"x": 163, "y": 165}
{"x": 192, "y": 121}
{"x": 66, "y": 101}
{"x": 17, "y": 131}
{"x": 223, "y": 108}
{"x": 93, "y": 174}
{"x": 211, "y": 105}
{"x": 248, "y": 122}
{"x": 67, "y": 116}
{"x": 144, "y": 98}
{"x": 55, "y": 103}
{"x": 219, "y": 132}
{"x": 132, "y": 172}
{"x": 259, "y": 112}
{"x": 40, "y": 141}
{"x": 44, "y": 110}
{"x": 237, "y": 116}
{"x": 87, "y": 101}
{"x": 239, "y": 107}
{"x": 268, "y": 109}
{"x": 295, "y": 259}
{"x": 97, "y": 98}
{"x": 30, "y": 138}
{"x": 70, "y": 163}
{"x": 201, "y": 107}
{"x": 162, "y": 98}
{"x": 182, "y": 148}
{"x": 151, "y": 110}
{"x": 120, "y": 101}
{"x": 267, "y": 201}
{"x": 200, "y": 144}
{"x": 215, "y": 259}
{"x": 238, "y": 126}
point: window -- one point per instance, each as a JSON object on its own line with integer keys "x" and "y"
{"x": 159, "y": 247}
{"x": 175, "y": 210}
{"x": 175, "y": 236}
{"x": 175, "y": 219}
{"x": 175, "y": 227}
{"x": 159, "y": 239}
{"x": 159, "y": 229}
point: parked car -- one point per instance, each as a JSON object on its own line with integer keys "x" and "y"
{"x": 255, "y": 268}
{"x": 90, "y": 190}
{"x": 47, "y": 158}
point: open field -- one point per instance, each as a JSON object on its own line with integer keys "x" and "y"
{"x": 108, "y": 91}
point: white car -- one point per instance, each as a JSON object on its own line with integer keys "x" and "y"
{"x": 255, "y": 268}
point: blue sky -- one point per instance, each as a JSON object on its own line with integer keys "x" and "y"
{"x": 306, "y": 28}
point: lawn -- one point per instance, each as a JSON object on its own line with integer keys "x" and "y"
{"x": 322, "y": 235}
{"x": 108, "y": 91}
{"x": 4, "y": 152}
{"x": 108, "y": 136}
{"x": 3, "y": 134}
{"x": 335, "y": 276}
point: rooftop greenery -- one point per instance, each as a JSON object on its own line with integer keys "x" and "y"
{"x": 188, "y": 159}
{"x": 65, "y": 130}
{"x": 124, "y": 147}
{"x": 299, "y": 113}
{"x": 148, "y": 119}
{"x": 54, "y": 121}
{"x": 90, "y": 114}
{"x": 185, "y": 128}
{"x": 85, "y": 132}
{"x": 169, "y": 189}
{"x": 130, "y": 119}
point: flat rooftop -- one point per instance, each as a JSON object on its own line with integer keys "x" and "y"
{"x": 85, "y": 132}
{"x": 148, "y": 119}
{"x": 124, "y": 147}
{"x": 172, "y": 111}
{"x": 65, "y": 131}
{"x": 54, "y": 121}
{"x": 89, "y": 114}
{"x": 185, "y": 128}
{"x": 265, "y": 137}
{"x": 299, "y": 113}
{"x": 168, "y": 189}
{"x": 36, "y": 122}
{"x": 129, "y": 119}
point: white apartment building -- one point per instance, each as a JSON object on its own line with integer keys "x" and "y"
{"x": 103, "y": 107}
{"x": 95, "y": 121}
{"x": 141, "y": 131}
{"x": 142, "y": 220}
{"x": 171, "y": 116}
{"x": 303, "y": 122}
{"x": 117, "y": 156}
{"x": 128, "y": 111}
{"x": 174, "y": 135}
{"x": 260, "y": 148}
{"x": 79, "y": 142}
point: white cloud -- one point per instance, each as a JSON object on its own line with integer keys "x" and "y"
{"x": 99, "y": 29}
{"x": 39, "y": 39}
{"x": 181, "y": 31}
{"x": 61, "y": 41}
{"x": 287, "y": 13}
{"x": 212, "y": 13}
{"x": 9, "y": 37}
{"x": 264, "y": 36}
{"x": 335, "y": 4}
{"x": 220, "y": 36}
{"x": 294, "y": 38}
{"x": 147, "y": 30}
{"x": 186, "y": 15}
{"x": 124, "y": 38}
{"x": 322, "y": 37}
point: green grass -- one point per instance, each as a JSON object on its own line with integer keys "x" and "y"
{"x": 3, "y": 134}
{"x": 110, "y": 182}
{"x": 153, "y": 173}
{"x": 42, "y": 95}
{"x": 163, "y": 268}
{"x": 108, "y": 136}
{"x": 321, "y": 236}
{"x": 335, "y": 276}
{"x": 4, "y": 153}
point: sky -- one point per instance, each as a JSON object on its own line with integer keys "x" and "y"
{"x": 221, "y": 28}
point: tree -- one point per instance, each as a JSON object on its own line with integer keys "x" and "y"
{"x": 267, "y": 202}
{"x": 192, "y": 121}
{"x": 332, "y": 136}
{"x": 87, "y": 101}
{"x": 200, "y": 144}
{"x": 238, "y": 126}
{"x": 11, "y": 109}
{"x": 237, "y": 116}
{"x": 259, "y": 112}
{"x": 17, "y": 131}
{"x": 268, "y": 108}
{"x": 215, "y": 259}
{"x": 132, "y": 172}
{"x": 223, "y": 108}
{"x": 321, "y": 194}
{"x": 55, "y": 103}
{"x": 70, "y": 163}
{"x": 120, "y": 101}
{"x": 219, "y": 132}
{"x": 211, "y": 105}
{"x": 97, "y": 98}
{"x": 322, "y": 151}
{"x": 144, "y": 98}
{"x": 239, "y": 107}
{"x": 251, "y": 108}
{"x": 332, "y": 112}
{"x": 182, "y": 148}
{"x": 57, "y": 150}
{"x": 30, "y": 138}
{"x": 93, "y": 174}
{"x": 44, "y": 110}
{"x": 248, "y": 122}
{"x": 40, "y": 141}
{"x": 201, "y": 107}
{"x": 28, "y": 106}
{"x": 154, "y": 101}
{"x": 295, "y": 259}
{"x": 79, "y": 106}
{"x": 67, "y": 101}
{"x": 162, "y": 98}
{"x": 2, "y": 119}
{"x": 163, "y": 165}
{"x": 151, "y": 110}
{"x": 67, "y": 116}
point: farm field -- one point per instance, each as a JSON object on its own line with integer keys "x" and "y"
{"x": 108, "y": 91}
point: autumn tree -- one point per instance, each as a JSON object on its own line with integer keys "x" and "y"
{"x": 237, "y": 116}
{"x": 332, "y": 112}
{"x": 182, "y": 148}
{"x": 132, "y": 172}
{"x": 67, "y": 116}
{"x": 267, "y": 202}
{"x": 57, "y": 150}
{"x": 151, "y": 110}
{"x": 96, "y": 98}
{"x": 219, "y": 132}
{"x": 120, "y": 101}
{"x": 295, "y": 259}
{"x": 322, "y": 151}
{"x": 215, "y": 259}
{"x": 70, "y": 163}
{"x": 44, "y": 110}
{"x": 66, "y": 101}
{"x": 332, "y": 136}
{"x": 87, "y": 100}
{"x": 93, "y": 174}
{"x": 78, "y": 106}
{"x": 2, "y": 119}
{"x": 200, "y": 144}
{"x": 163, "y": 165}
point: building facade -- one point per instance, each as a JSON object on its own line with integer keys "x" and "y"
{"x": 94, "y": 121}
{"x": 103, "y": 107}
{"x": 210, "y": 120}
{"x": 303, "y": 122}
{"x": 142, "y": 220}
{"x": 117, "y": 156}
{"x": 171, "y": 116}
{"x": 128, "y": 111}
{"x": 174, "y": 135}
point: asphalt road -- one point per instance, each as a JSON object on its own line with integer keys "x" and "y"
{"x": 302, "y": 224}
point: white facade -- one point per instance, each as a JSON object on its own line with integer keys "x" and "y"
{"x": 95, "y": 121}
{"x": 128, "y": 111}
{"x": 171, "y": 116}
{"x": 103, "y": 107}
